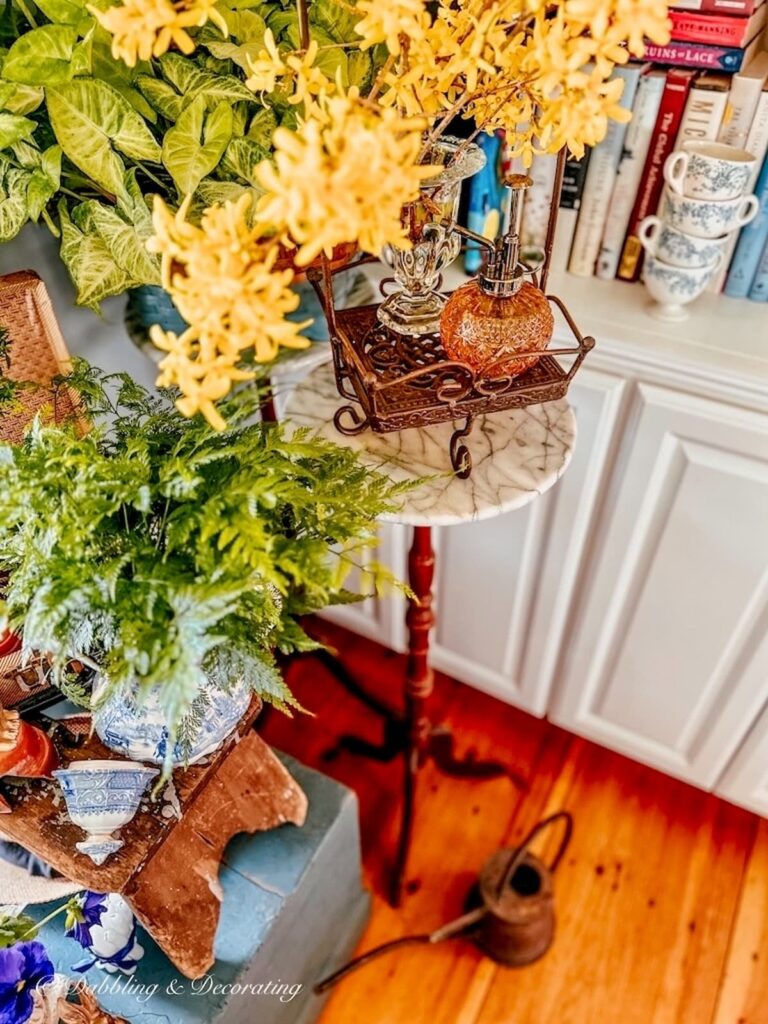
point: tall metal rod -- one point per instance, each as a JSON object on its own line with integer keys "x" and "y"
{"x": 302, "y": 9}
{"x": 553, "y": 210}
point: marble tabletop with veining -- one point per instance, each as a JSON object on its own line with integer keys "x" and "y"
{"x": 517, "y": 455}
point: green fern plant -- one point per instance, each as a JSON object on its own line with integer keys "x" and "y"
{"x": 161, "y": 553}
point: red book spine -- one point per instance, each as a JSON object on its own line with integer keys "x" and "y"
{"x": 708, "y": 28}
{"x": 737, "y": 7}
{"x": 664, "y": 134}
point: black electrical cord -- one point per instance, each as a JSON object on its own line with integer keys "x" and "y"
{"x": 453, "y": 930}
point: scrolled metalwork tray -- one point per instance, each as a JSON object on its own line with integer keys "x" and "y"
{"x": 394, "y": 382}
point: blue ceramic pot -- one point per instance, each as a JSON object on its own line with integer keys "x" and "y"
{"x": 139, "y": 731}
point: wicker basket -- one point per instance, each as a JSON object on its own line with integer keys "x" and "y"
{"x": 37, "y": 354}
{"x": 37, "y": 351}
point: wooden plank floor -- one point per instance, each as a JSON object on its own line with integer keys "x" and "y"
{"x": 662, "y": 901}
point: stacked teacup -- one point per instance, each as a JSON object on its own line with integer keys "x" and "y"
{"x": 703, "y": 204}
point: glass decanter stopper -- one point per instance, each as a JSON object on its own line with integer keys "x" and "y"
{"x": 491, "y": 322}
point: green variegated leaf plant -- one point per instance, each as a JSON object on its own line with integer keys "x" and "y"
{"x": 85, "y": 140}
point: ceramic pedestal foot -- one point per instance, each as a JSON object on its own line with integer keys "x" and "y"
{"x": 669, "y": 312}
{"x": 98, "y": 848}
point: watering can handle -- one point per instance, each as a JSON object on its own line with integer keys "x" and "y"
{"x": 517, "y": 856}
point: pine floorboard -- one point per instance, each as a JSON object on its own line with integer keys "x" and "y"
{"x": 662, "y": 900}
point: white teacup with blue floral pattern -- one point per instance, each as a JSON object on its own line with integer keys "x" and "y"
{"x": 676, "y": 247}
{"x": 708, "y": 218}
{"x": 709, "y": 170}
{"x": 674, "y": 287}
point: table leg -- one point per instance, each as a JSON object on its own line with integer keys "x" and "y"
{"x": 419, "y": 683}
{"x": 412, "y": 734}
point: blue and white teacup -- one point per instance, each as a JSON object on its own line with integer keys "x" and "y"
{"x": 676, "y": 247}
{"x": 709, "y": 170}
{"x": 674, "y": 287}
{"x": 101, "y": 797}
{"x": 708, "y": 218}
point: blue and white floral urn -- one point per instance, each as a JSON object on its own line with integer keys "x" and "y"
{"x": 138, "y": 729}
{"x": 101, "y": 797}
{"x": 105, "y": 927}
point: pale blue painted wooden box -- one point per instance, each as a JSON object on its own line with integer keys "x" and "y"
{"x": 293, "y": 909}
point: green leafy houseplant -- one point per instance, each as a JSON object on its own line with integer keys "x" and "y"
{"x": 164, "y": 554}
{"x": 86, "y": 140}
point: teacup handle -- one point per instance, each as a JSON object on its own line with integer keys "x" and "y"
{"x": 675, "y": 169}
{"x": 647, "y": 230}
{"x": 748, "y": 211}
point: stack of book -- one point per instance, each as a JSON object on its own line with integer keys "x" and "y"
{"x": 608, "y": 193}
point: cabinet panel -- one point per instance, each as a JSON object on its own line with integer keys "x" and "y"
{"x": 745, "y": 780}
{"x": 666, "y": 662}
{"x": 381, "y": 619}
{"x": 506, "y": 586}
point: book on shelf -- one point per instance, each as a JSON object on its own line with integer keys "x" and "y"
{"x": 600, "y": 179}
{"x": 574, "y": 176}
{"x": 706, "y": 56}
{"x": 743, "y": 99}
{"x": 705, "y": 107}
{"x": 538, "y": 200}
{"x": 741, "y": 8}
{"x": 637, "y": 142}
{"x": 676, "y": 88}
{"x": 757, "y": 145}
{"x": 751, "y": 243}
{"x": 759, "y": 290}
{"x": 722, "y": 30}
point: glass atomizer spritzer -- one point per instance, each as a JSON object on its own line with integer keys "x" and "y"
{"x": 493, "y": 321}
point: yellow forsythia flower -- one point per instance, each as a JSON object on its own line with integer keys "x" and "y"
{"x": 342, "y": 176}
{"x": 142, "y": 29}
{"x": 222, "y": 278}
{"x": 390, "y": 21}
{"x": 296, "y": 70}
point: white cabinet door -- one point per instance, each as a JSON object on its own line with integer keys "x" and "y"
{"x": 745, "y": 780}
{"x": 378, "y": 618}
{"x": 505, "y": 586}
{"x": 667, "y": 661}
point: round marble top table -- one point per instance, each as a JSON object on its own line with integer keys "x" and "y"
{"x": 516, "y": 455}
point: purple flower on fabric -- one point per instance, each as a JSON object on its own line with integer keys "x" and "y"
{"x": 22, "y": 968}
{"x": 91, "y": 907}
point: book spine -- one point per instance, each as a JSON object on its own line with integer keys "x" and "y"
{"x": 665, "y": 132}
{"x": 538, "y": 200}
{"x": 574, "y": 176}
{"x": 598, "y": 187}
{"x": 750, "y": 245}
{"x": 720, "y": 31}
{"x": 636, "y": 145}
{"x": 567, "y": 219}
{"x": 703, "y": 112}
{"x": 757, "y": 145}
{"x": 757, "y": 139}
{"x": 759, "y": 290}
{"x": 739, "y": 7}
{"x": 742, "y": 103}
{"x": 697, "y": 55}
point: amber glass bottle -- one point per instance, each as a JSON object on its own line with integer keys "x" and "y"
{"x": 492, "y": 322}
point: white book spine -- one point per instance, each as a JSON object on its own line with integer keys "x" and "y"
{"x": 757, "y": 145}
{"x": 601, "y": 177}
{"x": 703, "y": 115}
{"x": 538, "y": 200}
{"x": 757, "y": 140}
{"x": 743, "y": 99}
{"x": 637, "y": 142}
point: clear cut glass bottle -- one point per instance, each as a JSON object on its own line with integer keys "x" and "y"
{"x": 492, "y": 322}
